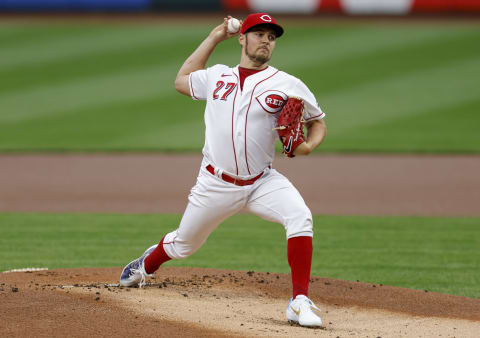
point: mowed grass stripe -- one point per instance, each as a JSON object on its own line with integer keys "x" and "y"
{"x": 149, "y": 121}
{"x": 99, "y": 62}
{"x": 391, "y": 60}
{"x": 87, "y": 93}
{"x": 86, "y": 42}
{"x": 406, "y": 95}
{"x": 16, "y": 34}
{"x": 53, "y": 43}
{"x": 420, "y": 132}
{"x": 438, "y": 254}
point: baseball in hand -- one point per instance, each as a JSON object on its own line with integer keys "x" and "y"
{"x": 233, "y": 25}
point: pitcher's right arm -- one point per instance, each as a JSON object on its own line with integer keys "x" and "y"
{"x": 200, "y": 56}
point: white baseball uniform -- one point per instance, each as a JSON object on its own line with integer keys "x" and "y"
{"x": 240, "y": 143}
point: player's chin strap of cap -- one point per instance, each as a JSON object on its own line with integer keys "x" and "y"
{"x": 220, "y": 174}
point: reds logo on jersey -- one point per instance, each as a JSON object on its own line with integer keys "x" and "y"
{"x": 272, "y": 101}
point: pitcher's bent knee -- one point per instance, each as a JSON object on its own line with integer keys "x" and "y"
{"x": 176, "y": 248}
{"x": 300, "y": 224}
{"x": 182, "y": 250}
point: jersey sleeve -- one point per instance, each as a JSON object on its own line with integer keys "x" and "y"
{"x": 198, "y": 81}
{"x": 312, "y": 109}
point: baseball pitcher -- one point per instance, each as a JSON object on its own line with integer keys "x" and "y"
{"x": 248, "y": 107}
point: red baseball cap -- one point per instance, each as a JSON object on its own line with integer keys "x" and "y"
{"x": 256, "y": 19}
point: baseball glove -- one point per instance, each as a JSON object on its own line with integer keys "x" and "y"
{"x": 290, "y": 125}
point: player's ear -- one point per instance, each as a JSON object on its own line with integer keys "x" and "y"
{"x": 241, "y": 39}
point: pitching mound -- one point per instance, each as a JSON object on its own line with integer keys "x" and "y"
{"x": 194, "y": 302}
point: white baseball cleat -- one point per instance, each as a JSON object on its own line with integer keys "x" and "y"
{"x": 300, "y": 311}
{"x": 134, "y": 273}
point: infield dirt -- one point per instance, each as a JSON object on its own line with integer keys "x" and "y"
{"x": 423, "y": 185}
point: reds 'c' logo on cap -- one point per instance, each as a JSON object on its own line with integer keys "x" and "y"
{"x": 255, "y": 19}
{"x": 266, "y": 18}
{"x": 272, "y": 101}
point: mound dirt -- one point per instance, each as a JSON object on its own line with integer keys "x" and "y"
{"x": 194, "y": 302}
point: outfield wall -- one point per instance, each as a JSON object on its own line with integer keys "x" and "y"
{"x": 356, "y": 7}
{"x": 346, "y": 7}
{"x": 74, "y": 5}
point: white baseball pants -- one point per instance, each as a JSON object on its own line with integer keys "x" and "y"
{"x": 212, "y": 200}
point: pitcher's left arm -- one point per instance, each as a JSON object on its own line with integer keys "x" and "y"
{"x": 316, "y": 132}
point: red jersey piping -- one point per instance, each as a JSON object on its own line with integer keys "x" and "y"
{"x": 191, "y": 86}
{"x": 233, "y": 113}
{"x": 246, "y": 118}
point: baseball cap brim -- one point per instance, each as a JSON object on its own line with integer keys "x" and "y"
{"x": 276, "y": 28}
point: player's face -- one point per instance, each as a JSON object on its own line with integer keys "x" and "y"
{"x": 259, "y": 44}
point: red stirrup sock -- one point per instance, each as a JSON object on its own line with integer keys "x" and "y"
{"x": 299, "y": 252}
{"x": 156, "y": 258}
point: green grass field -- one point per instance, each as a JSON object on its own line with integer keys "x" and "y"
{"x": 438, "y": 254}
{"x": 397, "y": 87}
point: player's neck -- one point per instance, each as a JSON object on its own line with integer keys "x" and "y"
{"x": 254, "y": 67}
{"x": 245, "y": 62}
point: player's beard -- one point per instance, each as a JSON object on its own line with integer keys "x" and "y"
{"x": 259, "y": 59}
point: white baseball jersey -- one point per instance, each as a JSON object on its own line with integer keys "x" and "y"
{"x": 239, "y": 136}
{"x": 239, "y": 141}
